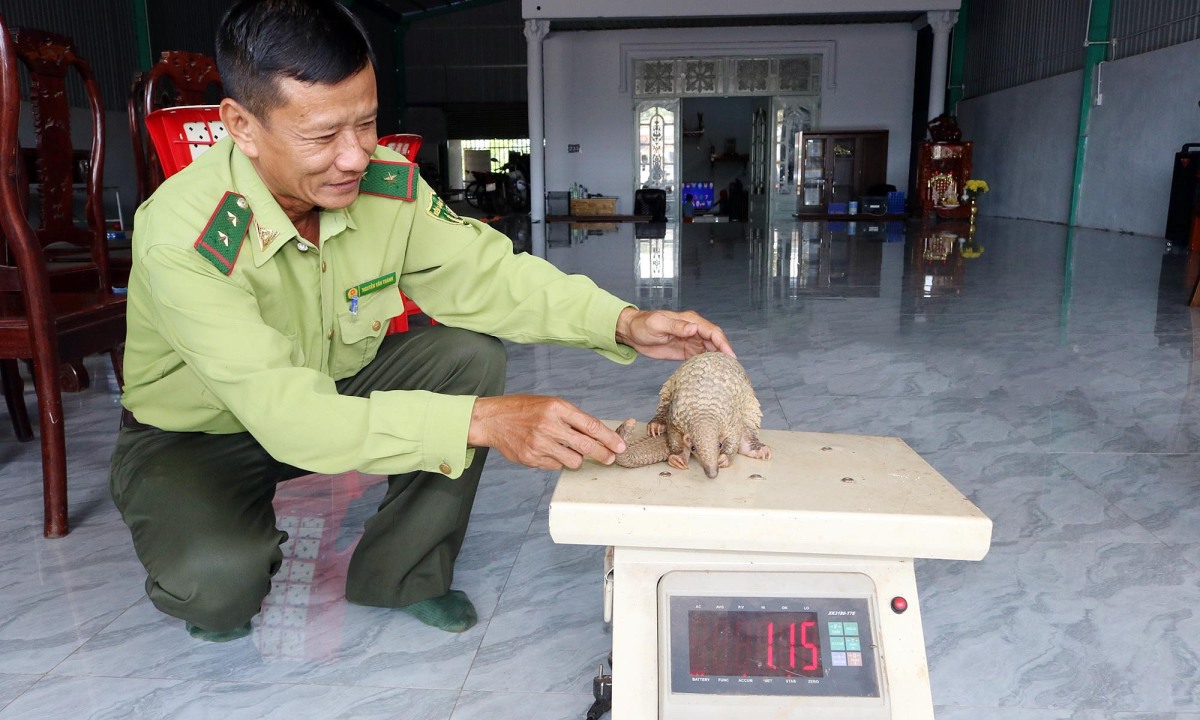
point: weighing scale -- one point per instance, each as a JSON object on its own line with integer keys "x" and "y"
{"x": 783, "y": 588}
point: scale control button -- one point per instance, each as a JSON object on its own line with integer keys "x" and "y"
{"x": 852, "y": 643}
{"x": 837, "y": 643}
{"x": 854, "y": 659}
{"x": 835, "y": 628}
{"x": 899, "y": 605}
{"x": 838, "y": 659}
{"x": 851, "y": 628}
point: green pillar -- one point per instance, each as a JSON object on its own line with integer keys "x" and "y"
{"x": 1099, "y": 34}
{"x": 141, "y": 29}
{"x": 958, "y": 59}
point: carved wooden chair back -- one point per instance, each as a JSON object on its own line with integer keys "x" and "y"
{"x": 178, "y": 78}
{"x": 53, "y": 164}
{"x": 36, "y": 324}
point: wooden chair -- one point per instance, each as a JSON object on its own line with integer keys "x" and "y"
{"x": 36, "y": 323}
{"x": 178, "y": 78}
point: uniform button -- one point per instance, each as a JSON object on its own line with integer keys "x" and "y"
{"x": 376, "y": 325}
{"x": 444, "y": 468}
{"x": 301, "y": 246}
{"x": 322, "y": 266}
{"x": 330, "y": 334}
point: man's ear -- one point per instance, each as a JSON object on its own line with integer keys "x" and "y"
{"x": 242, "y": 126}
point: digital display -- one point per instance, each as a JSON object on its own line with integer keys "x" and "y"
{"x": 754, "y": 644}
{"x": 770, "y": 645}
{"x": 701, "y": 192}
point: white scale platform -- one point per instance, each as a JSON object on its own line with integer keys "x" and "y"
{"x": 769, "y": 591}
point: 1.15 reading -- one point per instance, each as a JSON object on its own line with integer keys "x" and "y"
{"x": 754, "y": 644}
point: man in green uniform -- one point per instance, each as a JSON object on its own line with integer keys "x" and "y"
{"x": 263, "y": 280}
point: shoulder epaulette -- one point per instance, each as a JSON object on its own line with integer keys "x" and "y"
{"x": 226, "y": 229}
{"x": 390, "y": 179}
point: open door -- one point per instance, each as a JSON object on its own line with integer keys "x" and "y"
{"x": 791, "y": 117}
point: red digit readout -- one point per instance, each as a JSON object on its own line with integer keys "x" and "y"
{"x": 814, "y": 652}
{"x": 753, "y": 644}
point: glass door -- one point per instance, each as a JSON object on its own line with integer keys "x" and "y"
{"x": 841, "y": 176}
{"x": 812, "y": 182}
{"x": 793, "y": 117}
{"x": 657, "y": 142}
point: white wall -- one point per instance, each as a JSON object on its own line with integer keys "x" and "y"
{"x": 1025, "y": 140}
{"x": 585, "y": 106}
{"x": 1025, "y": 147}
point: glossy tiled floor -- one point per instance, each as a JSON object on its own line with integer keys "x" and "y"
{"x": 1051, "y": 378}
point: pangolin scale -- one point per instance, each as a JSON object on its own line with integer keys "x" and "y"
{"x": 707, "y": 408}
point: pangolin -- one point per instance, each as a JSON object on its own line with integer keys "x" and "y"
{"x": 707, "y": 407}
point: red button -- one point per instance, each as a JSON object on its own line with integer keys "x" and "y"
{"x": 899, "y": 605}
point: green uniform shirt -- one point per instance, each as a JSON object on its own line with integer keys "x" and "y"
{"x": 233, "y": 328}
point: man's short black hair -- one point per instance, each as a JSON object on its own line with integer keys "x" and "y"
{"x": 261, "y": 41}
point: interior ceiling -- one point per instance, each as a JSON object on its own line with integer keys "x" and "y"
{"x": 410, "y": 10}
{"x": 733, "y": 21}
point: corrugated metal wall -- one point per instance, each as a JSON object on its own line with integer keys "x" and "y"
{"x": 1141, "y": 26}
{"x": 103, "y": 33}
{"x": 1013, "y": 42}
{"x": 471, "y": 56}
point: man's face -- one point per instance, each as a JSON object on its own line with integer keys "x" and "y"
{"x": 312, "y": 150}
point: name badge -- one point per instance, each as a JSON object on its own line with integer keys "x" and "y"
{"x": 371, "y": 286}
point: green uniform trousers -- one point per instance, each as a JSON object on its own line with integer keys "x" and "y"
{"x": 199, "y": 505}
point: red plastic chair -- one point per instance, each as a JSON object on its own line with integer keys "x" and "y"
{"x": 181, "y": 134}
{"x": 406, "y": 144}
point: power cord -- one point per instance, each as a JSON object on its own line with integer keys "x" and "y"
{"x": 602, "y": 691}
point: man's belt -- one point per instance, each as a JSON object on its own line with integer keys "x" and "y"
{"x": 129, "y": 421}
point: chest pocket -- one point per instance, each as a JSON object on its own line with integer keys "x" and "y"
{"x": 359, "y": 335}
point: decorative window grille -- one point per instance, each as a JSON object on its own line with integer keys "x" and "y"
{"x": 691, "y": 77}
{"x": 752, "y": 75}
{"x": 656, "y": 77}
{"x": 700, "y": 77}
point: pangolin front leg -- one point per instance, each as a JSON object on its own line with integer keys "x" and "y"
{"x": 679, "y": 444}
{"x": 751, "y": 446}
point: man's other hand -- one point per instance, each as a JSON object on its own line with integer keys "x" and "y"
{"x": 668, "y": 335}
{"x": 541, "y": 432}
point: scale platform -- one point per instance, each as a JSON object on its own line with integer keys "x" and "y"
{"x": 782, "y": 588}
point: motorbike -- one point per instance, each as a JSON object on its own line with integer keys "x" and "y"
{"x": 504, "y": 191}
{"x": 488, "y": 192}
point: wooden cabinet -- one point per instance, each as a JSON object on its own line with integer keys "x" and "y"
{"x": 943, "y": 169}
{"x": 837, "y": 167}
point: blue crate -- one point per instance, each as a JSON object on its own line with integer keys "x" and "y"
{"x": 895, "y": 203}
{"x": 837, "y": 208}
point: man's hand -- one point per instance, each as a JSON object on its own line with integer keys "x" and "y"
{"x": 541, "y": 432}
{"x": 667, "y": 335}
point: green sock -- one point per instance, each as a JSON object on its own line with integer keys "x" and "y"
{"x": 452, "y": 612}
{"x": 218, "y": 635}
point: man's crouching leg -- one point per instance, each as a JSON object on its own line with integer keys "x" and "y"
{"x": 406, "y": 556}
{"x": 199, "y": 509}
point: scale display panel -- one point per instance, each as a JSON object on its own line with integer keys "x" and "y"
{"x": 772, "y": 646}
{"x": 733, "y": 642}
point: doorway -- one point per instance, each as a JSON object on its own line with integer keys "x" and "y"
{"x": 741, "y": 146}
